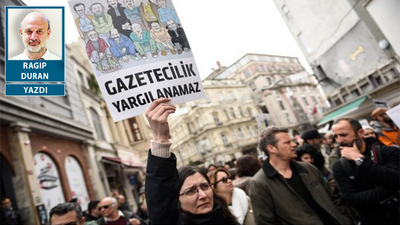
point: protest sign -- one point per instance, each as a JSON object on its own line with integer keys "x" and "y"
{"x": 138, "y": 51}
{"x": 394, "y": 114}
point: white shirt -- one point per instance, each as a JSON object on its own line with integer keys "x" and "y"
{"x": 46, "y": 56}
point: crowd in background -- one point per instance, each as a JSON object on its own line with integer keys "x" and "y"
{"x": 349, "y": 175}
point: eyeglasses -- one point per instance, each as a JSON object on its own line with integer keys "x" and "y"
{"x": 195, "y": 189}
{"x": 104, "y": 206}
{"x": 223, "y": 180}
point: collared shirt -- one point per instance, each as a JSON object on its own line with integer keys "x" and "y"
{"x": 46, "y": 56}
{"x": 148, "y": 13}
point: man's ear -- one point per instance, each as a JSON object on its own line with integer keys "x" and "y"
{"x": 82, "y": 220}
{"x": 271, "y": 149}
{"x": 20, "y": 31}
{"x": 48, "y": 33}
{"x": 360, "y": 133}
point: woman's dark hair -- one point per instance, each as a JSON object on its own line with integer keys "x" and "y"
{"x": 187, "y": 171}
{"x": 247, "y": 165}
{"x": 319, "y": 160}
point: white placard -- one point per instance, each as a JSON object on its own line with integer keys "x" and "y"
{"x": 394, "y": 114}
{"x": 138, "y": 53}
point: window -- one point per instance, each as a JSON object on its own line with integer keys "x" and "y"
{"x": 314, "y": 100}
{"x": 288, "y": 118}
{"x": 189, "y": 127}
{"x": 250, "y": 131}
{"x": 241, "y": 133}
{"x": 137, "y": 135}
{"x": 281, "y": 105}
{"x": 81, "y": 79}
{"x": 305, "y": 101}
{"x": 337, "y": 101}
{"x": 216, "y": 119}
{"x": 269, "y": 80}
{"x": 233, "y": 113}
{"x": 249, "y": 112}
{"x": 235, "y": 135}
{"x": 225, "y": 140}
{"x": 366, "y": 87}
{"x": 97, "y": 124}
{"x": 287, "y": 13}
{"x": 241, "y": 111}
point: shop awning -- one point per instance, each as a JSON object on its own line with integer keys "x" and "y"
{"x": 342, "y": 111}
{"x": 115, "y": 160}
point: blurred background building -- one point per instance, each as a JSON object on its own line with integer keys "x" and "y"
{"x": 353, "y": 48}
{"x": 224, "y": 126}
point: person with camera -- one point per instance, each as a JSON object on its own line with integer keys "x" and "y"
{"x": 368, "y": 177}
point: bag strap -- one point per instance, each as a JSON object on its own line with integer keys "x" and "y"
{"x": 376, "y": 150}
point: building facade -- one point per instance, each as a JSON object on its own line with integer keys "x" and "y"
{"x": 353, "y": 48}
{"x": 281, "y": 88}
{"x": 225, "y": 125}
{"x": 43, "y": 155}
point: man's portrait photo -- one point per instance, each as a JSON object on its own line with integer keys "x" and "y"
{"x": 40, "y": 31}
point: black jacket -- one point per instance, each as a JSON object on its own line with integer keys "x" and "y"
{"x": 370, "y": 183}
{"x": 162, "y": 195}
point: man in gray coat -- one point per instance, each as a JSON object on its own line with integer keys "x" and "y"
{"x": 289, "y": 192}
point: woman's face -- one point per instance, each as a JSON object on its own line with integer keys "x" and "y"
{"x": 196, "y": 195}
{"x": 223, "y": 185}
{"x": 307, "y": 158}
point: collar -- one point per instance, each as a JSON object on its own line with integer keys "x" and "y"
{"x": 106, "y": 219}
{"x": 45, "y": 56}
{"x": 270, "y": 171}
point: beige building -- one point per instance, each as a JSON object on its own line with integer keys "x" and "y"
{"x": 118, "y": 149}
{"x": 218, "y": 128}
{"x": 223, "y": 126}
{"x": 281, "y": 88}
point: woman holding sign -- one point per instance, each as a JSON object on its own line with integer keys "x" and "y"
{"x": 173, "y": 197}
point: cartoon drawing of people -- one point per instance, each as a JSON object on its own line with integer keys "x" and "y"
{"x": 148, "y": 11}
{"x": 178, "y": 36}
{"x": 84, "y": 21}
{"x": 102, "y": 22}
{"x": 98, "y": 52}
{"x": 132, "y": 12}
{"x": 162, "y": 38}
{"x": 166, "y": 13}
{"x": 121, "y": 46}
{"x": 143, "y": 42}
{"x": 120, "y": 21}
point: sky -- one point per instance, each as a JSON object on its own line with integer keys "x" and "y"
{"x": 220, "y": 30}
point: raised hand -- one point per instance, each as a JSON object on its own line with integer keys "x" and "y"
{"x": 157, "y": 115}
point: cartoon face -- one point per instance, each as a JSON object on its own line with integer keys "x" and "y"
{"x": 113, "y": 3}
{"x": 114, "y": 34}
{"x": 162, "y": 3}
{"x": 93, "y": 36}
{"x": 129, "y": 3}
{"x": 80, "y": 10}
{"x": 155, "y": 27}
{"x": 97, "y": 8}
{"x": 136, "y": 28}
{"x": 34, "y": 32}
{"x": 172, "y": 25}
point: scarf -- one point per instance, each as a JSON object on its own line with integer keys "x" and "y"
{"x": 240, "y": 205}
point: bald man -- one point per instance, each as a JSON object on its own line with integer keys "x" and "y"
{"x": 108, "y": 208}
{"x": 35, "y": 30}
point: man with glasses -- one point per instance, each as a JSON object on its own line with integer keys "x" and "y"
{"x": 84, "y": 21}
{"x": 66, "y": 214}
{"x": 387, "y": 131}
{"x": 289, "y": 192}
{"x": 112, "y": 216}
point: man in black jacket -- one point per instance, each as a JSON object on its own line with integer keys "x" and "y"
{"x": 369, "y": 178}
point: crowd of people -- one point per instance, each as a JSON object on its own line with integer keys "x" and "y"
{"x": 348, "y": 176}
